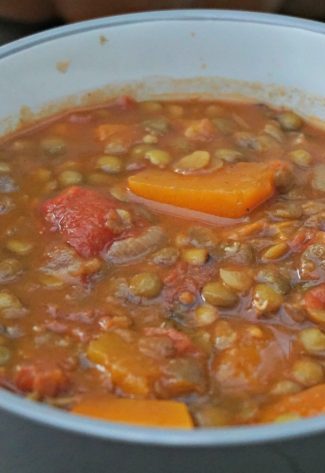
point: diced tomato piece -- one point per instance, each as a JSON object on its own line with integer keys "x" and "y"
{"x": 81, "y": 216}
{"x": 315, "y": 297}
{"x": 184, "y": 278}
{"x": 46, "y": 381}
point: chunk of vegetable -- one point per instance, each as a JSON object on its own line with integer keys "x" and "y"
{"x": 232, "y": 191}
{"x": 41, "y": 378}
{"x": 81, "y": 216}
{"x": 315, "y": 303}
{"x": 130, "y": 370}
{"x": 147, "y": 412}
{"x": 308, "y": 403}
{"x": 250, "y": 363}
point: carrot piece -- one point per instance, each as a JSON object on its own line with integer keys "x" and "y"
{"x": 153, "y": 413}
{"x": 230, "y": 192}
{"x": 308, "y": 403}
{"x": 130, "y": 370}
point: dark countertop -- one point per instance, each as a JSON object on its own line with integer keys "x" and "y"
{"x": 11, "y": 30}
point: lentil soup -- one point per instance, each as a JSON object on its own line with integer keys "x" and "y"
{"x": 163, "y": 263}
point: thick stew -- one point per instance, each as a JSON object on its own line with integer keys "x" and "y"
{"x": 163, "y": 263}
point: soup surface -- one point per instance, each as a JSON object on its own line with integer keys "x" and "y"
{"x": 163, "y": 263}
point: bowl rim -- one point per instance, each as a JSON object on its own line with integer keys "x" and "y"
{"x": 239, "y": 16}
{"x": 208, "y": 437}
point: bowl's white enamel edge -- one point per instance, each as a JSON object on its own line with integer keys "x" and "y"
{"x": 161, "y": 437}
{"x": 177, "y": 15}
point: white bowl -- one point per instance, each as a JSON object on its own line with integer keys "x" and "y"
{"x": 270, "y": 58}
{"x": 267, "y": 57}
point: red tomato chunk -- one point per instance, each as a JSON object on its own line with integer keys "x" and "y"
{"x": 81, "y": 216}
{"x": 315, "y": 298}
{"x": 43, "y": 380}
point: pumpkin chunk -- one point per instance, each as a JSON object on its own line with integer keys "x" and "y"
{"x": 149, "y": 412}
{"x": 232, "y": 191}
{"x": 130, "y": 370}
